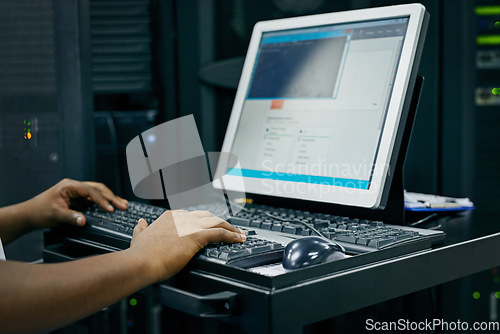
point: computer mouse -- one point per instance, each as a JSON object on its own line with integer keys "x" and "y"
{"x": 312, "y": 250}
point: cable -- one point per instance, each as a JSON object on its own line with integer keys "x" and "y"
{"x": 287, "y": 220}
{"x": 296, "y": 220}
{"x": 425, "y": 220}
{"x": 312, "y": 228}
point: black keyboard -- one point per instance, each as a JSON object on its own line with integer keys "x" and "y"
{"x": 116, "y": 228}
{"x": 357, "y": 236}
{"x": 268, "y": 231}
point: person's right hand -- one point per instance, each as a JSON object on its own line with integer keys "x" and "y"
{"x": 175, "y": 237}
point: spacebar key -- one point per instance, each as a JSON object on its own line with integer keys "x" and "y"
{"x": 346, "y": 238}
{"x": 239, "y": 221}
{"x": 107, "y": 225}
{"x": 260, "y": 249}
{"x": 377, "y": 243}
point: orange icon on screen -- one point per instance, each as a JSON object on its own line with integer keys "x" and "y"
{"x": 27, "y": 135}
{"x": 277, "y": 104}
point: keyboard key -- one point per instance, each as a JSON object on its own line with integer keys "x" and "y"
{"x": 256, "y": 223}
{"x": 289, "y": 229}
{"x": 320, "y": 223}
{"x": 224, "y": 256}
{"x": 107, "y": 225}
{"x": 277, "y": 227}
{"x": 123, "y": 229}
{"x": 266, "y": 225}
{"x": 276, "y": 246}
{"x": 234, "y": 254}
{"x": 329, "y": 235}
{"x": 363, "y": 241}
{"x": 239, "y": 221}
{"x": 306, "y": 232}
{"x": 377, "y": 243}
{"x": 403, "y": 236}
{"x": 260, "y": 248}
{"x": 213, "y": 253}
{"x": 346, "y": 238}
{"x": 224, "y": 249}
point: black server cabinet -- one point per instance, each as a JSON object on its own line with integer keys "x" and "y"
{"x": 45, "y": 102}
{"x": 134, "y": 76}
{"x": 471, "y": 136}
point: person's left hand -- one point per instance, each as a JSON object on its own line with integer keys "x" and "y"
{"x": 52, "y": 207}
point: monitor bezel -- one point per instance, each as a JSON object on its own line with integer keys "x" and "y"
{"x": 376, "y": 195}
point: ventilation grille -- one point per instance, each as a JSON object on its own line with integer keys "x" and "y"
{"x": 27, "y": 60}
{"x": 121, "y": 46}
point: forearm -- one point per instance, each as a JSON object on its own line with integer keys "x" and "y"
{"x": 14, "y": 221}
{"x": 43, "y": 296}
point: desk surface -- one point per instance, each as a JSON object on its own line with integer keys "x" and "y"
{"x": 287, "y": 303}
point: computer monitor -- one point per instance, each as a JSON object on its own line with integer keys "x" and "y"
{"x": 322, "y": 103}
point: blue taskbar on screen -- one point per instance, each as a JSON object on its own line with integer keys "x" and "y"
{"x": 312, "y": 179}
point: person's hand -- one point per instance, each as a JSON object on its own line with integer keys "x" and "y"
{"x": 175, "y": 237}
{"x": 52, "y": 207}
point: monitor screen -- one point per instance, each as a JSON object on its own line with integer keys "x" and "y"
{"x": 314, "y": 105}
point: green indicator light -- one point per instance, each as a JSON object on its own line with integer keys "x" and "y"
{"x": 496, "y": 279}
{"x": 497, "y": 295}
{"x": 497, "y": 24}
{"x": 24, "y": 121}
{"x": 29, "y": 130}
{"x": 494, "y": 91}
{"x": 487, "y": 10}
{"x": 476, "y": 295}
{"x": 29, "y": 123}
{"x": 133, "y": 302}
{"x": 488, "y": 40}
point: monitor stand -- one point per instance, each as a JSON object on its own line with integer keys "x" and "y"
{"x": 393, "y": 211}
